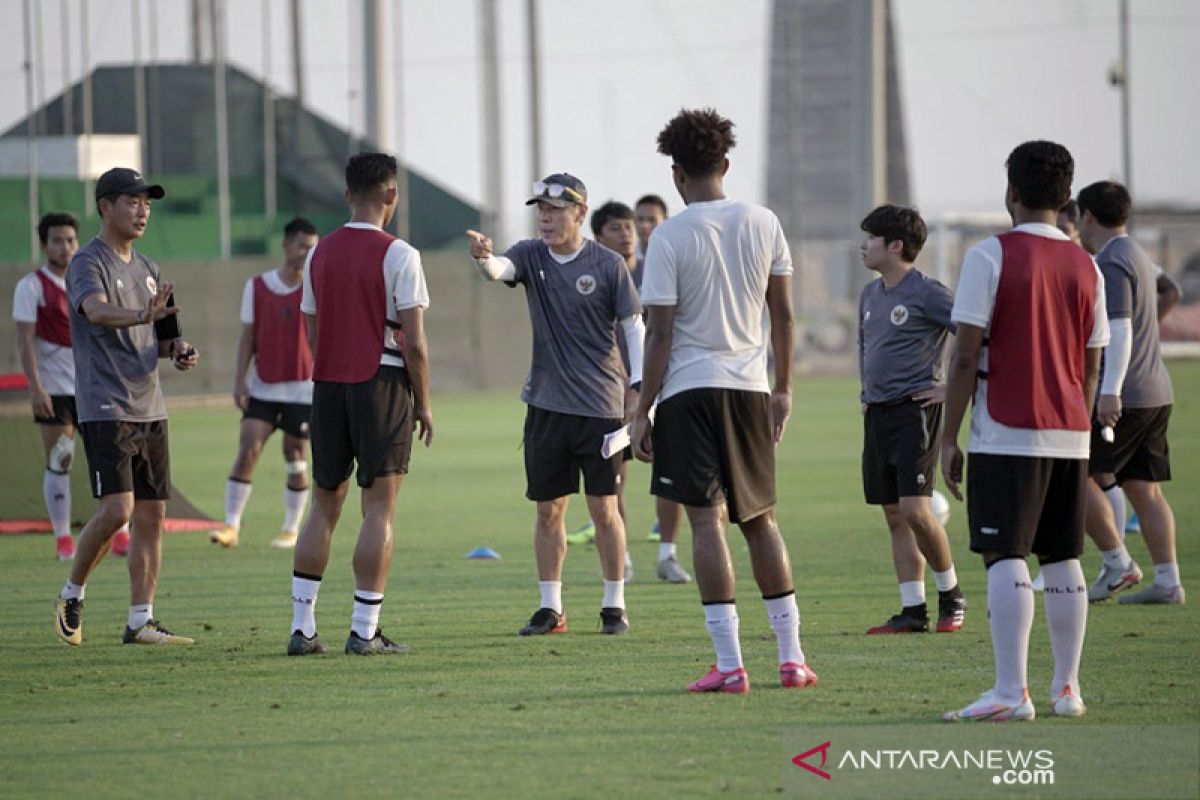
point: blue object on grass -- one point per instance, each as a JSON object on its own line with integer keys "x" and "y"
{"x": 483, "y": 554}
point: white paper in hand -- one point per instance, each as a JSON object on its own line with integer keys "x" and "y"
{"x": 618, "y": 440}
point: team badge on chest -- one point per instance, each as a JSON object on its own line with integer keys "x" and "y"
{"x": 899, "y": 315}
{"x": 585, "y": 284}
{"x": 151, "y": 284}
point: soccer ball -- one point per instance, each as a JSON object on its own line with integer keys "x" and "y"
{"x": 941, "y": 507}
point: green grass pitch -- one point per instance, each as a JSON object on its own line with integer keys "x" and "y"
{"x": 475, "y": 711}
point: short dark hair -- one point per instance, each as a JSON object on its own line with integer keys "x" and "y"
{"x": 610, "y": 210}
{"x": 1070, "y": 210}
{"x": 366, "y": 172}
{"x": 55, "y": 219}
{"x": 697, "y": 140}
{"x": 299, "y": 225}
{"x": 1041, "y": 172}
{"x": 898, "y": 223}
{"x": 653, "y": 200}
{"x": 1108, "y": 201}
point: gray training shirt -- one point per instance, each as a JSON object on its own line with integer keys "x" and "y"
{"x": 574, "y": 309}
{"x": 116, "y": 369}
{"x": 1131, "y": 292}
{"x": 901, "y": 336}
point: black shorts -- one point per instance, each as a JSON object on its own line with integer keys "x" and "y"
{"x": 369, "y": 422}
{"x": 713, "y": 446}
{"x": 63, "y": 406}
{"x": 560, "y": 446}
{"x": 1018, "y": 505}
{"x": 291, "y": 418}
{"x": 900, "y": 450}
{"x": 128, "y": 457}
{"x": 1139, "y": 451}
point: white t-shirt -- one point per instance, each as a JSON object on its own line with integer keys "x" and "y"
{"x": 712, "y": 262}
{"x": 973, "y": 304}
{"x": 56, "y": 364}
{"x": 403, "y": 277}
{"x": 284, "y": 391}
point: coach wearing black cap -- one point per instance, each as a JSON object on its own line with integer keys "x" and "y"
{"x": 579, "y": 294}
{"x": 118, "y": 301}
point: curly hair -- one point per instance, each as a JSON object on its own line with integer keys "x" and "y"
{"x": 697, "y": 140}
{"x": 893, "y": 223}
{"x": 1041, "y": 172}
{"x": 1108, "y": 201}
{"x": 55, "y": 219}
{"x": 367, "y": 172}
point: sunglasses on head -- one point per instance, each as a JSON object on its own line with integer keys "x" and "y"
{"x": 555, "y": 190}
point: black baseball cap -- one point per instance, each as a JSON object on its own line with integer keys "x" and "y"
{"x": 123, "y": 180}
{"x": 561, "y": 189}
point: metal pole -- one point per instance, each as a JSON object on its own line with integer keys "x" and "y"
{"x": 877, "y": 163}
{"x": 377, "y": 95}
{"x": 154, "y": 138}
{"x": 269, "y": 197}
{"x": 39, "y": 65}
{"x": 139, "y": 84}
{"x": 197, "y": 32}
{"x": 85, "y": 65}
{"x": 218, "y": 38}
{"x": 403, "y": 222}
{"x": 31, "y": 130}
{"x": 68, "y": 96}
{"x": 1126, "y": 120}
{"x": 535, "y": 88}
{"x": 298, "y": 53}
{"x": 493, "y": 171}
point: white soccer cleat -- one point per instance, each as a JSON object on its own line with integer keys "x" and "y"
{"x": 1039, "y": 583}
{"x": 989, "y": 708}
{"x": 1068, "y": 703}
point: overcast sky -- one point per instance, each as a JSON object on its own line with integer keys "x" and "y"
{"x": 977, "y": 78}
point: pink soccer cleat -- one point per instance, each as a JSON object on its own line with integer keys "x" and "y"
{"x": 734, "y": 682}
{"x": 64, "y": 546}
{"x": 796, "y": 676}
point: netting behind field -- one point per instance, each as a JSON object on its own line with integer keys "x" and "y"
{"x": 22, "y": 463}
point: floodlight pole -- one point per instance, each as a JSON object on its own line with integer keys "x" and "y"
{"x": 403, "y": 210}
{"x": 493, "y": 168}
{"x": 31, "y": 130}
{"x": 1126, "y": 119}
{"x": 535, "y": 91}
{"x": 139, "y": 85}
{"x": 68, "y": 97}
{"x": 270, "y": 200}
{"x": 222, "y": 123}
{"x": 85, "y": 64}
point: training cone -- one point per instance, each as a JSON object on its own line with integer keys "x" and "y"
{"x": 483, "y": 553}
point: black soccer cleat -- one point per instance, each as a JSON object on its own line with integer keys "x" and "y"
{"x": 952, "y": 610}
{"x": 613, "y": 621}
{"x": 911, "y": 619}
{"x": 301, "y": 645}
{"x": 377, "y": 645}
{"x": 543, "y": 621}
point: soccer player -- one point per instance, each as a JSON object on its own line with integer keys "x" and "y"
{"x": 717, "y": 279}
{"x": 613, "y": 227}
{"x": 579, "y": 294}
{"x": 1135, "y": 402}
{"x": 1031, "y": 324}
{"x": 649, "y": 212}
{"x": 364, "y": 304}
{"x": 44, "y": 345}
{"x": 1067, "y": 221}
{"x": 904, "y": 318}
{"x": 117, "y": 301}
{"x": 278, "y": 392}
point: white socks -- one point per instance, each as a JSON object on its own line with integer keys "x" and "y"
{"x": 785, "y": 621}
{"x": 294, "y": 501}
{"x": 722, "y": 622}
{"x": 1167, "y": 575}
{"x": 552, "y": 594}
{"x": 140, "y": 615}
{"x": 912, "y": 593}
{"x": 1118, "y": 558}
{"x": 237, "y": 494}
{"x": 304, "y": 604}
{"x": 56, "y": 490}
{"x": 72, "y": 591}
{"x": 947, "y": 580}
{"x": 666, "y": 550}
{"x": 367, "y": 606}
{"x": 1010, "y": 614}
{"x": 1065, "y": 597}
{"x": 614, "y": 594}
{"x": 1116, "y": 499}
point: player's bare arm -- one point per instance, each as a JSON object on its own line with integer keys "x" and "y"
{"x": 783, "y": 342}
{"x": 964, "y": 366}
{"x": 416, "y": 361}
{"x": 660, "y": 325}
{"x": 38, "y": 397}
{"x": 241, "y": 394}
